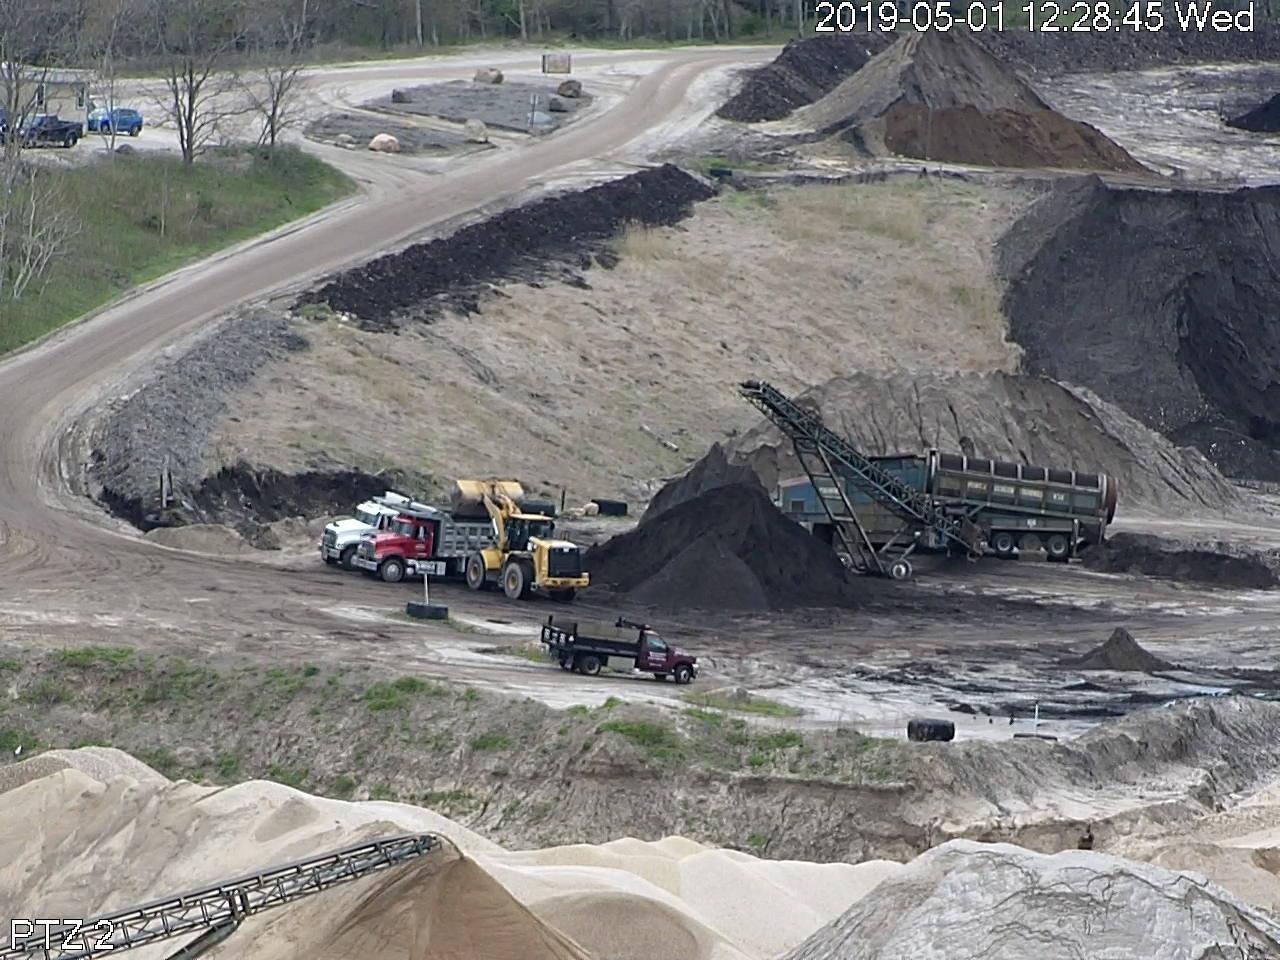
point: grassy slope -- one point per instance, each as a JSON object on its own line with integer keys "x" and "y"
{"x": 141, "y": 217}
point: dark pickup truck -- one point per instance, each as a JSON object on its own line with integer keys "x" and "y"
{"x": 588, "y": 647}
{"x": 51, "y": 131}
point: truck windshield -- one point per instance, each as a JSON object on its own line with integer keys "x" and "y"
{"x": 367, "y": 517}
{"x": 402, "y": 527}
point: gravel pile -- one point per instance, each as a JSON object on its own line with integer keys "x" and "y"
{"x": 1153, "y": 556}
{"x": 1120, "y": 652}
{"x": 713, "y": 470}
{"x": 1264, "y": 118}
{"x": 1162, "y": 303}
{"x": 550, "y": 238}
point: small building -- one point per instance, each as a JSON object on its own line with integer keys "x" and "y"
{"x": 64, "y": 93}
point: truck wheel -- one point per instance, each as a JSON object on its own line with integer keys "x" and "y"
{"x": 349, "y": 558}
{"x": 1003, "y": 544}
{"x": 900, "y": 570}
{"x": 683, "y": 674}
{"x": 589, "y": 665}
{"x": 517, "y": 583}
{"x": 392, "y": 570}
{"x": 564, "y": 596}
{"x": 1058, "y": 547}
{"x": 476, "y": 578}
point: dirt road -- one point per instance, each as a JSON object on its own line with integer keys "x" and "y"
{"x": 54, "y": 541}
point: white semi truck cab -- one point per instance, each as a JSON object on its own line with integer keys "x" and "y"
{"x": 340, "y": 539}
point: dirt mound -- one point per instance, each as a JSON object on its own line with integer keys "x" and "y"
{"x": 551, "y": 237}
{"x": 942, "y": 96}
{"x": 1015, "y": 418}
{"x": 805, "y": 71}
{"x": 441, "y": 907}
{"x": 1001, "y": 138}
{"x": 1162, "y": 303}
{"x": 1120, "y": 652}
{"x": 1264, "y": 118}
{"x": 713, "y": 470}
{"x": 960, "y": 899}
{"x": 681, "y": 550}
{"x": 1127, "y": 49}
{"x": 1153, "y": 556}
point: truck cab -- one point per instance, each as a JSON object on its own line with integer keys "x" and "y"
{"x": 406, "y": 543}
{"x": 658, "y": 657}
{"x": 341, "y": 539}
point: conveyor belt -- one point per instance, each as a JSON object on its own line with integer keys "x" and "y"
{"x": 216, "y": 910}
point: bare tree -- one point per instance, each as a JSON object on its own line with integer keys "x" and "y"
{"x": 273, "y": 91}
{"x": 201, "y": 94}
{"x": 107, "y": 39}
{"x": 40, "y": 223}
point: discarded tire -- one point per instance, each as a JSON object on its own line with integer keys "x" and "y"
{"x": 922, "y": 730}
{"x": 426, "y": 611}
{"x": 719, "y": 173}
{"x": 611, "y": 508}
{"x": 544, "y": 507}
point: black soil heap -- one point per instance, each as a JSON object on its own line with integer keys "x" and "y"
{"x": 1264, "y": 118}
{"x": 547, "y": 238}
{"x": 1164, "y": 304}
{"x": 1120, "y": 652}
{"x": 804, "y": 72}
{"x": 728, "y": 549}
{"x": 1153, "y": 557}
{"x": 713, "y": 470}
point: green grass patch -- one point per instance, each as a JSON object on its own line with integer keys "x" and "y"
{"x": 658, "y": 740}
{"x": 289, "y": 777}
{"x": 45, "y": 694}
{"x": 491, "y": 741}
{"x": 11, "y": 741}
{"x": 396, "y": 696}
{"x": 742, "y": 703}
{"x": 91, "y": 656}
{"x": 141, "y": 217}
{"x": 8, "y": 663}
{"x": 182, "y": 683}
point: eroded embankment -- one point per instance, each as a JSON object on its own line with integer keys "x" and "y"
{"x": 1162, "y": 303}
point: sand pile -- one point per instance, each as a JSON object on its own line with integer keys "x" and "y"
{"x": 1013, "y": 418}
{"x": 805, "y": 71}
{"x": 713, "y": 470}
{"x": 73, "y": 845}
{"x": 942, "y": 96}
{"x": 1001, "y": 902}
{"x": 1120, "y": 652}
{"x": 726, "y": 549}
{"x": 1264, "y": 118}
{"x": 1153, "y": 556}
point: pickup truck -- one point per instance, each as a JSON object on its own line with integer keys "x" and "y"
{"x": 589, "y": 647}
{"x": 47, "y": 130}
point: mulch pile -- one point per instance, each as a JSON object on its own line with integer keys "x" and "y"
{"x": 1264, "y": 118}
{"x": 1153, "y": 557}
{"x": 1120, "y": 652}
{"x": 728, "y": 549}
{"x": 552, "y": 238}
{"x": 713, "y": 470}
{"x": 804, "y": 72}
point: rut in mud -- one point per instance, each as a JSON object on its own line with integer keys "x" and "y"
{"x": 1162, "y": 303}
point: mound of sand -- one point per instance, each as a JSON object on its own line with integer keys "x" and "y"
{"x": 1120, "y": 652}
{"x": 1013, "y": 418}
{"x": 942, "y": 96}
{"x": 713, "y": 470}
{"x": 1001, "y": 902}
{"x": 201, "y": 538}
{"x": 1264, "y": 118}
{"x": 74, "y": 845}
{"x": 1152, "y": 556}
{"x": 805, "y": 71}
{"x": 727, "y": 549}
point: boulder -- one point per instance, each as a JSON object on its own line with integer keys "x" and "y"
{"x": 344, "y": 140}
{"x": 385, "y": 143}
{"x": 400, "y": 96}
{"x": 570, "y": 88}
{"x": 556, "y": 105}
{"x": 125, "y": 150}
{"x": 474, "y": 131}
{"x": 488, "y": 75}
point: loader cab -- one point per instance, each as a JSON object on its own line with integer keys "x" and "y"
{"x": 523, "y": 527}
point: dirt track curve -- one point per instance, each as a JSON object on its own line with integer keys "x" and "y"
{"x": 53, "y": 542}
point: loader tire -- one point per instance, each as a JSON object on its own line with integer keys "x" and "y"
{"x": 517, "y": 580}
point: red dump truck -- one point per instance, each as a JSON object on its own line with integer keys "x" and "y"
{"x": 589, "y": 647}
{"x": 422, "y": 539}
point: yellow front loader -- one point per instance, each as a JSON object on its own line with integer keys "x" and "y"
{"x": 526, "y": 559}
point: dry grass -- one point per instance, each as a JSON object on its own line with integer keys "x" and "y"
{"x": 557, "y": 385}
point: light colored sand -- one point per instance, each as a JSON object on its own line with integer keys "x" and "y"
{"x": 74, "y": 845}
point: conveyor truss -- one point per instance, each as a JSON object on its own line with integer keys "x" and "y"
{"x": 827, "y": 459}
{"x": 214, "y": 912}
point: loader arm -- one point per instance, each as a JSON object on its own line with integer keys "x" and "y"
{"x": 500, "y": 507}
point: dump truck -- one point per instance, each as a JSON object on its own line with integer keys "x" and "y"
{"x": 423, "y": 540}
{"x": 589, "y": 647}
{"x": 341, "y": 539}
{"x": 526, "y": 559}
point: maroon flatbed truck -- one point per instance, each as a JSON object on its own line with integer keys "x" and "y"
{"x": 589, "y": 647}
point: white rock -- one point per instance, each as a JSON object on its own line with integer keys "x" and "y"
{"x": 488, "y": 75}
{"x": 475, "y": 131}
{"x": 385, "y": 143}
